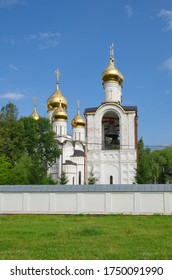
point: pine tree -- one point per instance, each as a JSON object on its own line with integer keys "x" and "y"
{"x": 63, "y": 179}
{"x": 92, "y": 180}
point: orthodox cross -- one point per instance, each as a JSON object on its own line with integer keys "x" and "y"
{"x": 57, "y": 72}
{"x": 34, "y": 101}
{"x": 112, "y": 52}
{"x": 78, "y": 106}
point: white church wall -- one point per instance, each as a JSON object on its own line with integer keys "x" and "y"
{"x": 116, "y": 199}
{"x": 117, "y": 163}
{"x": 71, "y": 173}
{"x": 110, "y": 170}
{"x": 90, "y": 132}
{"x": 79, "y": 146}
{"x": 106, "y": 160}
{"x": 131, "y": 130}
{"x": 68, "y": 151}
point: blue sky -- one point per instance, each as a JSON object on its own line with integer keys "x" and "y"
{"x": 39, "y": 36}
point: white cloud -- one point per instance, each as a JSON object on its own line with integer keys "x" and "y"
{"x": 43, "y": 40}
{"x": 9, "y": 3}
{"x": 168, "y": 92}
{"x": 129, "y": 10}
{"x": 166, "y": 15}
{"x": 13, "y": 67}
{"x": 12, "y": 95}
{"x": 167, "y": 65}
{"x": 2, "y": 79}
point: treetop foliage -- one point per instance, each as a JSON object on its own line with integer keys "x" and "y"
{"x": 154, "y": 167}
{"x": 27, "y": 148}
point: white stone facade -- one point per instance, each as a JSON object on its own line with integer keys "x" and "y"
{"x": 115, "y": 165}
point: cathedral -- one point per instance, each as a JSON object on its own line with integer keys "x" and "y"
{"x": 104, "y": 143}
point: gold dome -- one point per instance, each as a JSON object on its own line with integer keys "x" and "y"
{"x": 53, "y": 101}
{"x": 60, "y": 114}
{"x": 111, "y": 73}
{"x": 56, "y": 98}
{"x": 78, "y": 121}
{"x": 35, "y": 114}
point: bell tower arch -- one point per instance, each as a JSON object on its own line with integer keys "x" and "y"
{"x": 110, "y": 131}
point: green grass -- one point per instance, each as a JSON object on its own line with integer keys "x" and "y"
{"x": 85, "y": 237}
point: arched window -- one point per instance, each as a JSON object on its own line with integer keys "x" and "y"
{"x": 79, "y": 179}
{"x": 111, "y": 180}
{"x": 110, "y": 131}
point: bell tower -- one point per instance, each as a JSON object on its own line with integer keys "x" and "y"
{"x": 111, "y": 140}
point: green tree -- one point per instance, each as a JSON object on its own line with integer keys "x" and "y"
{"x": 63, "y": 179}
{"x": 154, "y": 167}
{"x": 29, "y": 145}
{"x": 158, "y": 164}
{"x": 143, "y": 172}
{"x": 11, "y": 133}
{"x": 167, "y": 167}
{"x": 40, "y": 141}
{"x": 5, "y": 171}
{"x": 21, "y": 172}
{"x": 92, "y": 179}
{"x": 29, "y": 171}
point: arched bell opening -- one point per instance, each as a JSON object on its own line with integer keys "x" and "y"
{"x": 110, "y": 131}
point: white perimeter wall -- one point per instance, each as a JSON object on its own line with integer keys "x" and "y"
{"x": 86, "y": 202}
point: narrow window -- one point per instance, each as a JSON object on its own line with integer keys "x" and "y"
{"x": 79, "y": 178}
{"x": 111, "y": 180}
{"x": 73, "y": 180}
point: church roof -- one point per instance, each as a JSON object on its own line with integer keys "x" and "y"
{"x": 69, "y": 162}
{"x": 78, "y": 153}
{"x": 126, "y": 108}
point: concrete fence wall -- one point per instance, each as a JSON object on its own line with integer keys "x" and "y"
{"x": 110, "y": 199}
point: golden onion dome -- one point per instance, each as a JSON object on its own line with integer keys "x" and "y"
{"x": 111, "y": 73}
{"x": 60, "y": 114}
{"x": 78, "y": 121}
{"x": 35, "y": 115}
{"x": 54, "y": 100}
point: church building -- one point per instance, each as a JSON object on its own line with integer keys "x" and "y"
{"x": 104, "y": 143}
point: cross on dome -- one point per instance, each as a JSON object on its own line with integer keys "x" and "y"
{"x": 112, "y": 52}
{"x": 57, "y": 72}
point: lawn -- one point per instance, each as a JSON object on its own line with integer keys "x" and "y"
{"x": 85, "y": 237}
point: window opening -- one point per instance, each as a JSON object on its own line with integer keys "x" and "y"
{"x": 111, "y": 180}
{"x": 79, "y": 178}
